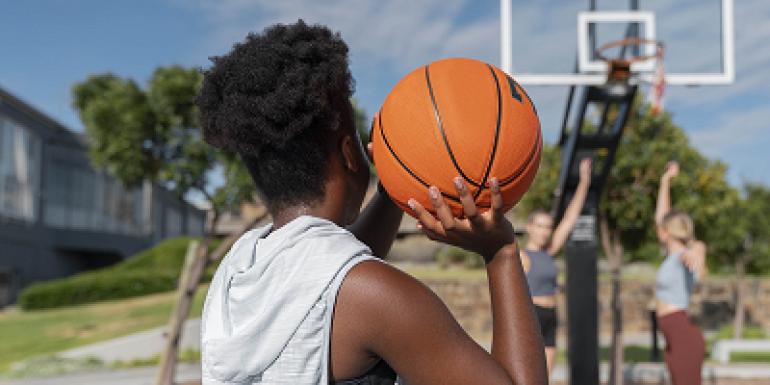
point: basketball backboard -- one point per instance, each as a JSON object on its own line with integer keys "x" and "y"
{"x": 554, "y": 42}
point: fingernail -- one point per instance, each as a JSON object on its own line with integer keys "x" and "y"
{"x": 494, "y": 183}
{"x": 459, "y": 183}
{"x": 434, "y": 193}
{"x": 411, "y": 203}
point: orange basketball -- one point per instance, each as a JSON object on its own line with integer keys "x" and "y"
{"x": 456, "y": 117}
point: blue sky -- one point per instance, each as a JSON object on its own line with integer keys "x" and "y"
{"x": 49, "y": 45}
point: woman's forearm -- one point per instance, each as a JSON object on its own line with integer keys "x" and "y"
{"x": 663, "y": 205}
{"x": 378, "y": 224}
{"x": 516, "y": 342}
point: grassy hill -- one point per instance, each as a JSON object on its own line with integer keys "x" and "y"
{"x": 25, "y": 334}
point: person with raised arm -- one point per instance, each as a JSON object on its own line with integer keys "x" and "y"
{"x": 543, "y": 242}
{"x": 683, "y": 266}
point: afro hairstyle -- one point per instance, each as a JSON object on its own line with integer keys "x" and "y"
{"x": 276, "y": 99}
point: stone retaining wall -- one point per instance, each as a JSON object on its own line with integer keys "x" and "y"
{"x": 712, "y": 304}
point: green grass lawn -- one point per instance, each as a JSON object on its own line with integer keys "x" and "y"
{"x": 631, "y": 353}
{"x": 25, "y": 334}
{"x": 763, "y": 357}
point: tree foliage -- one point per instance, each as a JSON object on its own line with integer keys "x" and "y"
{"x": 147, "y": 134}
{"x": 753, "y": 219}
{"x": 153, "y": 133}
{"x": 701, "y": 189}
{"x": 540, "y": 193}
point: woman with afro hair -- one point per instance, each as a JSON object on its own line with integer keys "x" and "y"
{"x": 305, "y": 300}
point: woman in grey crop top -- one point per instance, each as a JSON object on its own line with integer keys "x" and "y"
{"x": 683, "y": 266}
{"x": 543, "y": 242}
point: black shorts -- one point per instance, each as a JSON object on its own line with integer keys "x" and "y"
{"x": 548, "y": 323}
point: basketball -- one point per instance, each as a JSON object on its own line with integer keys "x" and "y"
{"x": 456, "y": 117}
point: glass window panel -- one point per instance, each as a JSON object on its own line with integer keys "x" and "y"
{"x": 19, "y": 171}
{"x": 173, "y": 222}
{"x": 194, "y": 224}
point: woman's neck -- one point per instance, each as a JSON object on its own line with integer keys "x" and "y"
{"x": 288, "y": 214}
{"x": 325, "y": 209}
{"x": 534, "y": 247}
{"x": 674, "y": 247}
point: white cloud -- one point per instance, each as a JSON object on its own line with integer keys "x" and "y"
{"x": 397, "y": 35}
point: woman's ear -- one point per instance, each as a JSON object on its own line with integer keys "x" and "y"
{"x": 350, "y": 150}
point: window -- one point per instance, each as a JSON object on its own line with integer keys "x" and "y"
{"x": 19, "y": 171}
{"x": 173, "y": 222}
{"x": 194, "y": 223}
{"x": 81, "y": 198}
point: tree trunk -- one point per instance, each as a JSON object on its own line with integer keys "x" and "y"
{"x": 168, "y": 358}
{"x": 613, "y": 249}
{"x": 188, "y": 282}
{"x": 740, "y": 311}
{"x": 187, "y": 288}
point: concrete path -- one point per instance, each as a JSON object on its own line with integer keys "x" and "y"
{"x": 140, "y": 345}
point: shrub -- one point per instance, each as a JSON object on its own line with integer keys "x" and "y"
{"x": 154, "y": 270}
{"x": 749, "y": 332}
{"x": 96, "y": 286}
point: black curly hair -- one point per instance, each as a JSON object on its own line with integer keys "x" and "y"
{"x": 276, "y": 99}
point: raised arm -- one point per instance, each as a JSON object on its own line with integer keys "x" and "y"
{"x": 573, "y": 210}
{"x": 663, "y": 205}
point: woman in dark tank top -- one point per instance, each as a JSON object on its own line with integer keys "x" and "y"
{"x": 543, "y": 242}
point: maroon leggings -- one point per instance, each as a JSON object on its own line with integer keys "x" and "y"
{"x": 685, "y": 348}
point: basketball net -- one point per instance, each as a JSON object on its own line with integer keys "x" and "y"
{"x": 655, "y": 97}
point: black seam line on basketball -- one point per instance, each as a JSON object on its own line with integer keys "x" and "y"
{"x": 514, "y": 92}
{"x": 510, "y": 80}
{"x": 416, "y": 177}
{"x": 497, "y": 134}
{"x": 538, "y": 144}
{"x": 440, "y": 124}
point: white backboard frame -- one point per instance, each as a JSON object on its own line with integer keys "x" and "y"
{"x": 585, "y": 19}
{"x": 725, "y": 77}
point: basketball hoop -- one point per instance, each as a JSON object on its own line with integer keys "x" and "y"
{"x": 619, "y": 69}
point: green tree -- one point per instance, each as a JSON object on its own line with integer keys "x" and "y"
{"x": 626, "y": 212}
{"x": 154, "y": 134}
{"x": 749, "y": 219}
{"x": 628, "y": 199}
{"x": 541, "y": 192}
{"x": 701, "y": 189}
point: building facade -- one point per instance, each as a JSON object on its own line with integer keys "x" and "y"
{"x": 59, "y": 215}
